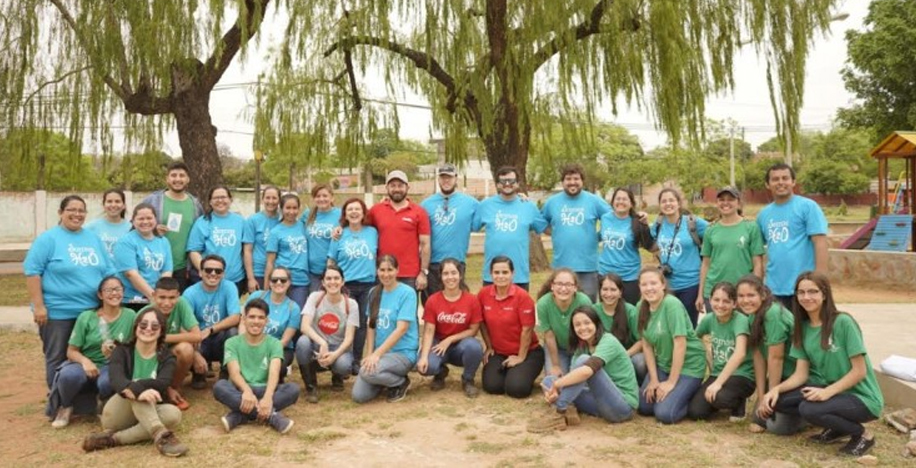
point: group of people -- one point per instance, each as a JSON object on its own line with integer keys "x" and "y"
{"x": 128, "y": 314}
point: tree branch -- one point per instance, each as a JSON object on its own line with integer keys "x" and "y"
{"x": 588, "y": 27}
{"x": 351, "y": 74}
{"x": 54, "y": 81}
{"x": 252, "y": 17}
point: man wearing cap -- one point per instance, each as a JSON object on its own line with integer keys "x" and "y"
{"x": 450, "y": 216}
{"x": 507, "y": 219}
{"x": 795, "y": 232}
{"x": 732, "y": 247}
{"x": 573, "y": 218}
{"x": 403, "y": 231}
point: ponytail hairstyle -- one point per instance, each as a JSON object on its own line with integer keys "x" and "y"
{"x": 286, "y": 198}
{"x": 119, "y": 193}
{"x": 376, "y": 302}
{"x": 548, "y": 283}
{"x": 269, "y": 188}
{"x": 828, "y": 313}
{"x": 313, "y": 213}
{"x": 758, "y": 331}
{"x": 682, "y": 207}
{"x": 574, "y": 341}
{"x": 729, "y": 289}
{"x": 620, "y": 326}
{"x": 644, "y": 311}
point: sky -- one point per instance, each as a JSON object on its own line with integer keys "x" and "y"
{"x": 232, "y": 104}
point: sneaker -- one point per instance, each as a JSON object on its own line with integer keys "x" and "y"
{"x": 827, "y": 436}
{"x": 99, "y": 441}
{"x": 858, "y": 446}
{"x": 572, "y": 416}
{"x": 311, "y": 395}
{"x": 470, "y": 390}
{"x": 398, "y": 393}
{"x": 438, "y": 382}
{"x": 169, "y": 445}
{"x": 232, "y": 420}
{"x": 551, "y": 420}
{"x": 337, "y": 383}
{"x": 280, "y": 423}
{"x": 740, "y": 413}
{"x": 62, "y": 419}
{"x": 198, "y": 381}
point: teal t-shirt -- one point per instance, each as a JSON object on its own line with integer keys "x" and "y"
{"x": 90, "y": 331}
{"x": 830, "y": 365}
{"x": 723, "y": 337}
{"x": 607, "y": 321}
{"x": 550, "y": 317}
{"x": 670, "y": 320}
{"x": 254, "y": 361}
{"x": 617, "y": 366}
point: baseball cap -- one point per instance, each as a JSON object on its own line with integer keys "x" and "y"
{"x": 396, "y": 175}
{"x": 729, "y": 190}
{"x": 448, "y": 169}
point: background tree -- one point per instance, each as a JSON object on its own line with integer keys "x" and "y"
{"x": 32, "y": 159}
{"x": 93, "y": 66}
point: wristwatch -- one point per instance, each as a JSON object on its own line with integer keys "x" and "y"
{"x": 425, "y": 271}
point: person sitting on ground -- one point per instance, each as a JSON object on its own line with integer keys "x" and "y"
{"x": 558, "y": 297}
{"x": 141, "y": 371}
{"x": 89, "y": 350}
{"x": 253, "y": 391}
{"x": 621, "y": 319}
{"x": 329, "y": 322}
{"x": 601, "y": 382}
{"x": 452, "y": 318}
{"x": 283, "y": 318}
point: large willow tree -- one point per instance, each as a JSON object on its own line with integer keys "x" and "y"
{"x": 90, "y": 66}
{"x": 494, "y": 69}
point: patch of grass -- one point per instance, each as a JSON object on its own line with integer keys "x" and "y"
{"x": 485, "y": 447}
{"x": 13, "y": 291}
{"x": 29, "y": 409}
{"x": 319, "y": 437}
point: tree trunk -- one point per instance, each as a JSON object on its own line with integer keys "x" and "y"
{"x": 197, "y": 138}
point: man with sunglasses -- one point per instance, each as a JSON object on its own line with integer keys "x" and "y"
{"x": 506, "y": 219}
{"x": 450, "y": 216}
{"x": 215, "y": 302}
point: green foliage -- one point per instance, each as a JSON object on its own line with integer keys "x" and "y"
{"x": 140, "y": 172}
{"x": 880, "y": 70}
{"x": 33, "y": 159}
{"x": 832, "y": 177}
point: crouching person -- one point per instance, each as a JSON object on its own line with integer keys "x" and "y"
{"x": 253, "y": 391}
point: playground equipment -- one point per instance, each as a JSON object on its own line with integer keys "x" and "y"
{"x": 893, "y": 232}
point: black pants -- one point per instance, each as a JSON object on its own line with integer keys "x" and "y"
{"x": 517, "y": 381}
{"x": 734, "y": 393}
{"x": 844, "y": 413}
{"x": 631, "y": 292}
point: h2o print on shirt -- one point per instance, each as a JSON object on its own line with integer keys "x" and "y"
{"x": 83, "y": 256}
{"x": 320, "y": 230}
{"x": 675, "y": 249}
{"x": 572, "y": 216}
{"x": 444, "y": 218}
{"x": 777, "y": 232}
{"x": 506, "y": 222}
{"x": 613, "y": 240}
{"x": 357, "y": 248}
{"x": 384, "y": 318}
{"x": 211, "y": 314}
{"x": 722, "y": 349}
{"x": 297, "y": 244}
{"x": 223, "y": 237}
{"x": 153, "y": 260}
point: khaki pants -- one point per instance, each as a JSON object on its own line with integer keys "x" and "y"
{"x": 137, "y": 421}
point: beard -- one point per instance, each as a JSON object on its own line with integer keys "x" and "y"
{"x": 397, "y": 197}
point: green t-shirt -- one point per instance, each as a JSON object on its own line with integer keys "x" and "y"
{"x": 667, "y": 322}
{"x": 778, "y": 325}
{"x": 722, "y": 340}
{"x": 830, "y": 365}
{"x": 89, "y": 334}
{"x": 731, "y": 250}
{"x": 145, "y": 368}
{"x": 550, "y": 317}
{"x": 617, "y": 366}
{"x": 607, "y": 321}
{"x": 254, "y": 361}
{"x": 181, "y": 318}
{"x": 178, "y": 214}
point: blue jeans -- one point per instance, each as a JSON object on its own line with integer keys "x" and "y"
{"x": 467, "y": 353}
{"x": 305, "y": 354}
{"x": 55, "y": 336}
{"x": 390, "y": 371}
{"x": 588, "y": 283}
{"x": 298, "y": 294}
{"x": 639, "y": 365}
{"x": 314, "y": 282}
{"x": 360, "y": 293}
{"x": 564, "y": 360}
{"x": 688, "y": 297}
{"x": 674, "y": 407}
{"x": 226, "y": 393}
{"x": 598, "y": 395}
{"x": 72, "y": 380}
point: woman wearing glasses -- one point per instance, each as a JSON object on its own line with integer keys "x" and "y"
{"x": 141, "y": 370}
{"x": 63, "y": 270}
{"x": 93, "y": 340}
{"x": 221, "y": 232}
{"x": 283, "y": 316}
{"x": 558, "y": 298}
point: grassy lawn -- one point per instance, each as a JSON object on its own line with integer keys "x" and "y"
{"x": 12, "y": 290}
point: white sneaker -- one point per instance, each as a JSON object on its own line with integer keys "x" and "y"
{"x": 63, "y": 418}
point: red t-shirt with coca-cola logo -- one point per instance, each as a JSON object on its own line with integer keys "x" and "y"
{"x": 328, "y": 319}
{"x": 506, "y": 317}
{"x": 451, "y": 318}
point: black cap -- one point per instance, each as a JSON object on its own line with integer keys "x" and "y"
{"x": 729, "y": 190}
{"x": 447, "y": 169}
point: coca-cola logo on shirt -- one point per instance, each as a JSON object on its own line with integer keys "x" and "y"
{"x": 329, "y": 324}
{"x": 456, "y": 318}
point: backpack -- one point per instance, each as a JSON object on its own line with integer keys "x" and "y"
{"x": 691, "y": 228}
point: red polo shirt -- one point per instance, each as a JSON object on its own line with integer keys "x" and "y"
{"x": 399, "y": 234}
{"x": 506, "y": 317}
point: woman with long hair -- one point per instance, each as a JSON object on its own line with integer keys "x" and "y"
{"x": 260, "y": 225}
{"x": 141, "y": 257}
{"x": 141, "y": 370}
{"x": 834, "y": 385}
{"x": 320, "y": 221}
{"x": 679, "y": 235}
{"x": 451, "y": 319}
{"x": 622, "y": 234}
{"x": 675, "y": 358}
{"x": 393, "y": 337}
{"x": 558, "y": 297}
{"x": 621, "y": 319}
{"x": 222, "y": 232}
{"x": 288, "y": 247}
{"x": 283, "y": 317}
{"x": 111, "y": 226}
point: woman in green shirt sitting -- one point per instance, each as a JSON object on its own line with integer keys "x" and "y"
{"x": 620, "y": 318}
{"x": 141, "y": 371}
{"x": 834, "y": 385}
{"x": 556, "y": 300}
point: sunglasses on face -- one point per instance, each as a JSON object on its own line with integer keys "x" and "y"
{"x": 279, "y": 280}
{"x": 213, "y": 271}
{"x": 507, "y": 181}
{"x": 154, "y": 326}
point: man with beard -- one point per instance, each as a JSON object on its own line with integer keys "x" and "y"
{"x": 507, "y": 218}
{"x": 403, "y": 231}
{"x": 176, "y": 210}
{"x": 573, "y": 217}
{"x": 450, "y": 215}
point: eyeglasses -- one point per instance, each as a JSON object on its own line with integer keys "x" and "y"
{"x": 213, "y": 271}
{"x": 507, "y": 181}
{"x": 564, "y": 285}
{"x": 114, "y": 290}
{"x": 807, "y": 292}
{"x": 154, "y": 326}
{"x": 279, "y": 280}
{"x": 75, "y": 210}
{"x": 219, "y": 197}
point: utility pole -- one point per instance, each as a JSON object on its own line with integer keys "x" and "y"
{"x": 731, "y": 154}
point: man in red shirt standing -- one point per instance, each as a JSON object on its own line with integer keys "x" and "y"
{"x": 403, "y": 231}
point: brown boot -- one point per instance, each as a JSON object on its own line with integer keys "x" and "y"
{"x": 99, "y": 441}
